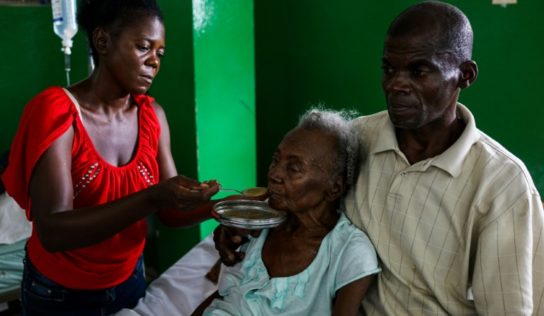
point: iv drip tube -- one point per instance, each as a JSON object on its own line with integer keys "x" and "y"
{"x": 67, "y": 68}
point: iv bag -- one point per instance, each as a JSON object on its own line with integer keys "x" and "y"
{"x": 65, "y": 26}
{"x": 64, "y": 22}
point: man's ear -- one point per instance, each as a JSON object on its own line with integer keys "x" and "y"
{"x": 336, "y": 190}
{"x": 101, "y": 41}
{"x": 469, "y": 73}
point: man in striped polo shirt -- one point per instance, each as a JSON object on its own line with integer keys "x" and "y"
{"x": 455, "y": 218}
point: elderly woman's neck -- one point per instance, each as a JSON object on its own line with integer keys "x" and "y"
{"x": 317, "y": 221}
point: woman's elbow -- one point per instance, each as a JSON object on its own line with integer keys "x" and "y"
{"x": 51, "y": 238}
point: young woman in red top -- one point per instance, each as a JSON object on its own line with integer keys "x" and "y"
{"x": 89, "y": 163}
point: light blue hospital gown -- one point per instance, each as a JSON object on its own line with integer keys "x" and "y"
{"x": 345, "y": 255}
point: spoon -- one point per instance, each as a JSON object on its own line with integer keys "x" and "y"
{"x": 232, "y": 190}
{"x": 250, "y": 192}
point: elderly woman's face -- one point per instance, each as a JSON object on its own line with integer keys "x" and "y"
{"x": 299, "y": 176}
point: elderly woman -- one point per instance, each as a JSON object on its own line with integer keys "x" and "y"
{"x": 316, "y": 262}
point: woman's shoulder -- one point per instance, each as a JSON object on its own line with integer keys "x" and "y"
{"x": 349, "y": 238}
{"x": 151, "y": 111}
{"x": 145, "y": 101}
{"x": 50, "y": 92}
{"x": 345, "y": 229}
{"x": 49, "y": 102}
{"x": 149, "y": 105}
{"x": 354, "y": 255}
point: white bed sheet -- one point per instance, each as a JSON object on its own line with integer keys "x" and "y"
{"x": 11, "y": 266}
{"x": 14, "y": 232}
{"x": 14, "y": 226}
{"x": 181, "y": 288}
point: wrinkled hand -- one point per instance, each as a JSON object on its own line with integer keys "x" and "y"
{"x": 183, "y": 193}
{"x": 228, "y": 239}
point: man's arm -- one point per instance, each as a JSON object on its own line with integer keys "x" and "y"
{"x": 508, "y": 274}
{"x": 200, "y": 309}
{"x": 227, "y": 240}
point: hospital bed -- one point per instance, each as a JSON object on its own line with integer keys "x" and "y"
{"x": 181, "y": 288}
{"x": 178, "y": 291}
{"x": 11, "y": 270}
{"x": 14, "y": 231}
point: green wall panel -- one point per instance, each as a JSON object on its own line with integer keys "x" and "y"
{"x": 312, "y": 51}
{"x": 174, "y": 90}
{"x": 225, "y": 97}
{"x": 31, "y": 61}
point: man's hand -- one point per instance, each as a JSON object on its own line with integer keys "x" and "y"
{"x": 228, "y": 239}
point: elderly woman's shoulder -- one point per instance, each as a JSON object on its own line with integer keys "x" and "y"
{"x": 353, "y": 247}
{"x": 346, "y": 232}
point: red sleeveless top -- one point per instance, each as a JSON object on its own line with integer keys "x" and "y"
{"x": 95, "y": 181}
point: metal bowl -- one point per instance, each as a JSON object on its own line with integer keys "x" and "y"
{"x": 247, "y": 214}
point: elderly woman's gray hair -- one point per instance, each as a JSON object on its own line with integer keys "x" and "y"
{"x": 338, "y": 124}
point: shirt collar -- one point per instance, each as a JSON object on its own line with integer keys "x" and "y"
{"x": 451, "y": 160}
{"x": 386, "y": 139}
